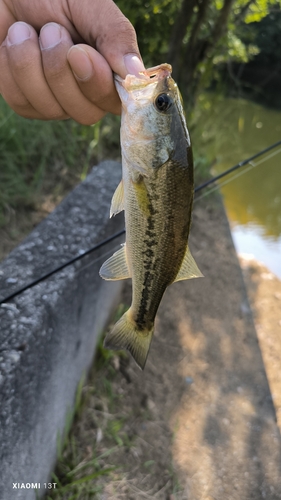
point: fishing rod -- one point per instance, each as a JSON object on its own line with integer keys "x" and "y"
{"x": 122, "y": 231}
{"x": 235, "y": 167}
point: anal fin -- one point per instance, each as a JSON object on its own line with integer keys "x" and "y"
{"x": 116, "y": 267}
{"x": 189, "y": 268}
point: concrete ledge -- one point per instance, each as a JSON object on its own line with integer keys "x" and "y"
{"x": 49, "y": 333}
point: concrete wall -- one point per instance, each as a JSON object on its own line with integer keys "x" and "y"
{"x": 49, "y": 333}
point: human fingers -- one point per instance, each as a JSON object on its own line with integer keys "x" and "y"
{"x": 100, "y": 23}
{"x": 103, "y": 26}
{"x": 94, "y": 77}
{"x": 22, "y": 78}
{"x": 24, "y": 81}
{"x": 10, "y": 90}
{"x": 55, "y": 43}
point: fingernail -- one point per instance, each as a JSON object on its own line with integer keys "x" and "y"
{"x": 80, "y": 63}
{"x": 18, "y": 33}
{"x": 50, "y": 35}
{"x": 133, "y": 64}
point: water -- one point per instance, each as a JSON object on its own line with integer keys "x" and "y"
{"x": 234, "y": 129}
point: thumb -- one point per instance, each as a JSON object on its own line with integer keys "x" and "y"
{"x": 102, "y": 24}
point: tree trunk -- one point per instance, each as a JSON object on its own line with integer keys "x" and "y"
{"x": 192, "y": 52}
{"x": 178, "y": 33}
{"x": 197, "y": 49}
{"x": 221, "y": 24}
{"x": 203, "y": 5}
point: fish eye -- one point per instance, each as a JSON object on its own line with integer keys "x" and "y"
{"x": 163, "y": 102}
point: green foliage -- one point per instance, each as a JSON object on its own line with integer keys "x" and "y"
{"x": 152, "y": 20}
{"x": 260, "y": 9}
{"x": 266, "y": 35}
{"x": 38, "y": 157}
{"x": 208, "y": 39}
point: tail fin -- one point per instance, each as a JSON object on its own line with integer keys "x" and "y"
{"x": 125, "y": 335}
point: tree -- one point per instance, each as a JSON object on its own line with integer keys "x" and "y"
{"x": 194, "y": 35}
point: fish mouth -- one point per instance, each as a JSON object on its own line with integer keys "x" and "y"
{"x": 147, "y": 77}
{"x": 161, "y": 71}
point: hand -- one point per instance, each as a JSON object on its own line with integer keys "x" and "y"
{"x": 46, "y": 76}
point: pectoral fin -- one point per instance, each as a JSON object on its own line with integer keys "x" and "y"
{"x": 189, "y": 268}
{"x": 116, "y": 267}
{"x": 117, "y": 203}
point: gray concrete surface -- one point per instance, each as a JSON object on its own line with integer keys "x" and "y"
{"x": 48, "y": 334}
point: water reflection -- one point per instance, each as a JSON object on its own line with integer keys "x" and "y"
{"x": 267, "y": 250}
{"x": 256, "y": 197}
{"x": 233, "y": 130}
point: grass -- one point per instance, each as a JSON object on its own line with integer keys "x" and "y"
{"x": 39, "y": 157}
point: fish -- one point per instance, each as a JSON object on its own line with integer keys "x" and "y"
{"x": 156, "y": 193}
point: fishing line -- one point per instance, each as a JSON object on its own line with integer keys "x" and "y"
{"x": 235, "y": 167}
{"x": 221, "y": 184}
{"x": 238, "y": 174}
{"x": 120, "y": 233}
{"x": 101, "y": 257}
{"x": 62, "y": 266}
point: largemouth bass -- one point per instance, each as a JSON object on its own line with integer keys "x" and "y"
{"x": 156, "y": 192}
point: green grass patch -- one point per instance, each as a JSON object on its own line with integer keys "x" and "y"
{"x": 38, "y": 157}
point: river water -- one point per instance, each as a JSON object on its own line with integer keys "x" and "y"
{"x": 227, "y": 131}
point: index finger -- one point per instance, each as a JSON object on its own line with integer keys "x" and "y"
{"x": 103, "y": 26}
